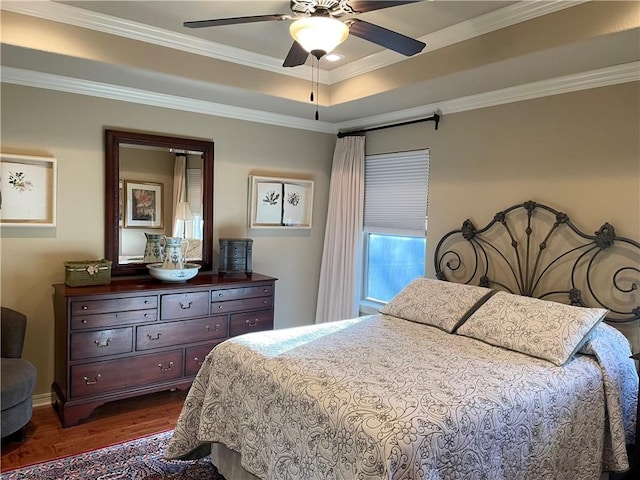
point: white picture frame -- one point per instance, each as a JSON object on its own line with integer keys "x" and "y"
{"x": 280, "y": 202}
{"x": 28, "y": 190}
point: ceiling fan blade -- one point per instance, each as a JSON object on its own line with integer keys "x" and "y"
{"x": 385, "y": 38}
{"x": 361, "y": 6}
{"x": 296, "y": 56}
{"x": 236, "y": 20}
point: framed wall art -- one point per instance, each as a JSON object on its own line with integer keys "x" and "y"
{"x": 143, "y": 204}
{"x": 276, "y": 202}
{"x": 27, "y": 190}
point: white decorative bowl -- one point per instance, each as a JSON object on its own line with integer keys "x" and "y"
{"x": 189, "y": 271}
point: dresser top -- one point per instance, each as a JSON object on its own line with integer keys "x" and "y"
{"x": 144, "y": 284}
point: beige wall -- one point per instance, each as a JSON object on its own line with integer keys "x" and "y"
{"x": 578, "y": 152}
{"x": 70, "y": 127}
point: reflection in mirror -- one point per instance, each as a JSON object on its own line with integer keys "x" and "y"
{"x": 157, "y": 187}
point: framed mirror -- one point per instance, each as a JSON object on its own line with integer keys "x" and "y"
{"x": 157, "y": 186}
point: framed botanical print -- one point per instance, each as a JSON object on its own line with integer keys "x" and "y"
{"x": 27, "y": 191}
{"x": 280, "y": 202}
{"x": 143, "y": 204}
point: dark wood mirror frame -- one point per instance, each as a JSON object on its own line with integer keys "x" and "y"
{"x": 115, "y": 138}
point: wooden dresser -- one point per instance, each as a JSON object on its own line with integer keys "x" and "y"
{"x": 137, "y": 336}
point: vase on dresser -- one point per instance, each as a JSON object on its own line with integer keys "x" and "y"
{"x": 153, "y": 251}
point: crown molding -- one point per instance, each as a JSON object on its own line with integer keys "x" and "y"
{"x": 489, "y": 22}
{"x": 501, "y": 18}
{"x": 628, "y": 72}
{"x": 624, "y": 73}
{"x": 79, "y": 17}
{"x": 91, "y": 88}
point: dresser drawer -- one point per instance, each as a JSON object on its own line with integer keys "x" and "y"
{"x": 236, "y": 252}
{"x": 113, "y": 319}
{"x": 237, "y": 305}
{"x": 237, "y": 247}
{"x": 101, "y": 343}
{"x": 236, "y": 264}
{"x": 246, "y": 292}
{"x": 112, "y": 375}
{"x": 184, "y": 305}
{"x": 180, "y": 333}
{"x": 250, "y": 322}
{"x": 195, "y": 357}
{"x": 113, "y": 305}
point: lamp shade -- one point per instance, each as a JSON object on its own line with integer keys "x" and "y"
{"x": 319, "y": 33}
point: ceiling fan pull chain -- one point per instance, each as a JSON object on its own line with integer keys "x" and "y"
{"x": 317, "y": 85}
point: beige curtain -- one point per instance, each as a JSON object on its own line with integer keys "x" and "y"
{"x": 179, "y": 175}
{"x": 340, "y": 268}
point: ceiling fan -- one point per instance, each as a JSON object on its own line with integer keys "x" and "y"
{"x": 316, "y": 29}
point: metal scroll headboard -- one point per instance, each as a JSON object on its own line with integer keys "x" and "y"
{"x": 534, "y": 250}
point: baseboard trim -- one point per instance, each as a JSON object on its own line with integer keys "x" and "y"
{"x": 42, "y": 399}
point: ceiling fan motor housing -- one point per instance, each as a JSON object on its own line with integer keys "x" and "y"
{"x": 333, "y": 8}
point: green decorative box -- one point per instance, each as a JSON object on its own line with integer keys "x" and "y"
{"x": 87, "y": 272}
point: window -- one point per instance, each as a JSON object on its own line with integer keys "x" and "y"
{"x": 394, "y": 232}
{"x": 194, "y": 197}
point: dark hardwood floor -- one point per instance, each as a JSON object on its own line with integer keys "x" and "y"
{"x": 111, "y": 423}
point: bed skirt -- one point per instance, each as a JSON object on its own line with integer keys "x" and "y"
{"x": 228, "y": 463}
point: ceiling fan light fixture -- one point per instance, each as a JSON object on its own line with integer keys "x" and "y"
{"x": 334, "y": 57}
{"x": 319, "y": 34}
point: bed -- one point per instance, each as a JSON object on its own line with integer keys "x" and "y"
{"x": 475, "y": 374}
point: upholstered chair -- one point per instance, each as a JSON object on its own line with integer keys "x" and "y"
{"x": 18, "y": 376}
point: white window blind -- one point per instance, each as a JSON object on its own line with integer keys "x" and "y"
{"x": 396, "y": 192}
{"x": 194, "y": 189}
{"x": 194, "y": 197}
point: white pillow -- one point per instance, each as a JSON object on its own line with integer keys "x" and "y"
{"x": 548, "y": 330}
{"x": 435, "y": 302}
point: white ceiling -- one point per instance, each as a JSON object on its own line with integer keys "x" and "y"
{"x": 354, "y": 94}
{"x": 272, "y": 38}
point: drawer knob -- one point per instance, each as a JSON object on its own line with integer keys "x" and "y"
{"x": 185, "y": 307}
{"x": 84, "y": 322}
{"x": 151, "y": 337}
{"x": 101, "y": 343}
{"x": 198, "y": 361}
{"x": 165, "y": 369}
{"x": 220, "y": 295}
{"x": 215, "y": 329}
{"x": 85, "y": 307}
{"x": 252, "y": 323}
{"x": 91, "y": 382}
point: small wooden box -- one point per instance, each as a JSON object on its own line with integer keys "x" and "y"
{"x": 87, "y": 272}
{"x": 235, "y": 256}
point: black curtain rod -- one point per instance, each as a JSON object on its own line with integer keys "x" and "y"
{"x": 435, "y": 118}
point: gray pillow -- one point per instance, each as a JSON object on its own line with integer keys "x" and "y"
{"x": 540, "y": 328}
{"x": 435, "y": 302}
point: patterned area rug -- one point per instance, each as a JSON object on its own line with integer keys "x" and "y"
{"x": 140, "y": 459}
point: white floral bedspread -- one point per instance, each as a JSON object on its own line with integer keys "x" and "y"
{"x": 379, "y": 397}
